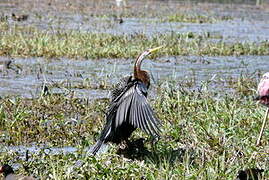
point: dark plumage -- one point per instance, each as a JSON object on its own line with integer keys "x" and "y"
{"x": 15, "y": 17}
{"x": 129, "y": 108}
{"x": 250, "y": 174}
{"x": 9, "y": 174}
{"x": 6, "y": 170}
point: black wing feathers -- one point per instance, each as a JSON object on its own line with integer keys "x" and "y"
{"x": 128, "y": 110}
{"x": 120, "y": 88}
{"x": 145, "y": 118}
{"x": 133, "y": 107}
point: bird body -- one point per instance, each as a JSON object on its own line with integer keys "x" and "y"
{"x": 129, "y": 108}
{"x": 263, "y": 90}
{"x": 263, "y": 98}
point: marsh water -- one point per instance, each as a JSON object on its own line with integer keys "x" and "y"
{"x": 86, "y": 78}
{"x": 245, "y": 22}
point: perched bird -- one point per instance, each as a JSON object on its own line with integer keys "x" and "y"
{"x": 263, "y": 98}
{"x": 250, "y": 174}
{"x": 129, "y": 108}
{"x": 9, "y": 174}
{"x": 22, "y": 17}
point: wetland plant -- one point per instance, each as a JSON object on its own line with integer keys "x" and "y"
{"x": 29, "y": 41}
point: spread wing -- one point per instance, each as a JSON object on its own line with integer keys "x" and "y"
{"x": 133, "y": 108}
{"x": 121, "y": 87}
{"x": 128, "y": 110}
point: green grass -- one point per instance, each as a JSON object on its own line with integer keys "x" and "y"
{"x": 29, "y": 42}
{"x": 195, "y": 18}
{"x": 204, "y": 136}
{"x": 178, "y": 17}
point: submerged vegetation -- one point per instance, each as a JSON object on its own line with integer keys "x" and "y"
{"x": 195, "y": 18}
{"x": 203, "y": 135}
{"x": 175, "y": 17}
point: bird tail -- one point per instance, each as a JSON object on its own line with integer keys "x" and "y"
{"x": 98, "y": 148}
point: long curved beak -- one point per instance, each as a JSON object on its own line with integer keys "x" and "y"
{"x": 155, "y": 49}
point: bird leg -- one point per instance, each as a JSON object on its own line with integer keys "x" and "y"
{"x": 262, "y": 128}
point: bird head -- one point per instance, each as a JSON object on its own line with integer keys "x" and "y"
{"x": 263, "y": 90}
{"x": 138, "y": 73}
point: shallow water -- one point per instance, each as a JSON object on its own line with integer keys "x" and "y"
{"x": 229, "y": 31}
{"x": 36, "y": 149}
{"x": 65, "y": 75}
{"x": 25, "y": 152}
{"x": 249, "y": 22}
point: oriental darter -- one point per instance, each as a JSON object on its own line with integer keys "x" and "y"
{"x": 129, "y": 108}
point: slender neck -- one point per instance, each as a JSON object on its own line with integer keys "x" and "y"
{"x": 137, "y": 66}
{"x": 140, "y": 74}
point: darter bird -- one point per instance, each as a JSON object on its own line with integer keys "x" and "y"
{"x": 263, "y": 98}
{"x": 129, "y": 108}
